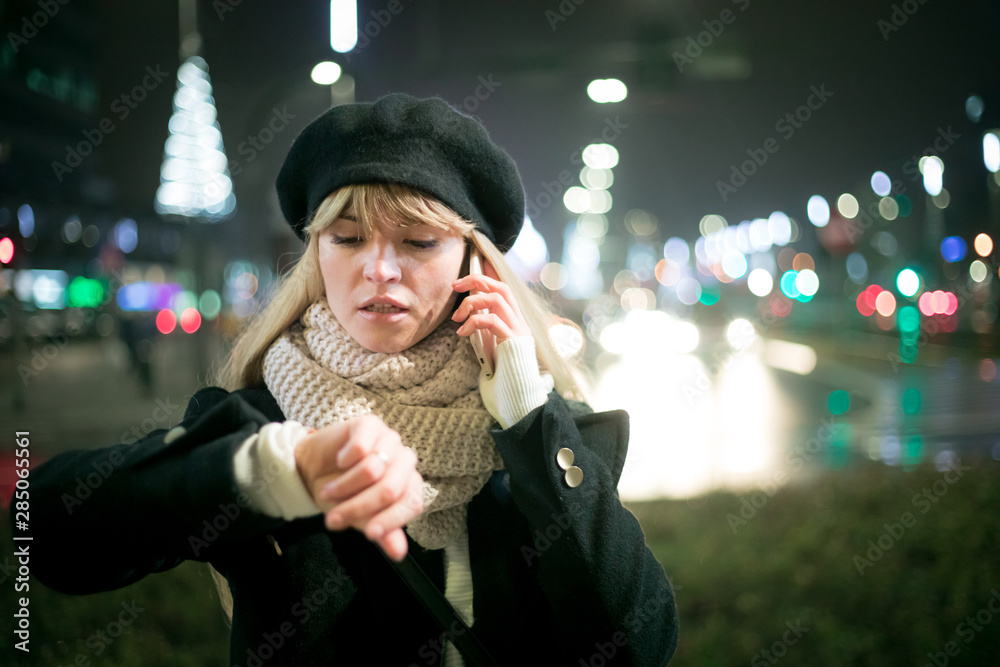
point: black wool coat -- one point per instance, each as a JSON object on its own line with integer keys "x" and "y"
{"x": 561, "y": 575}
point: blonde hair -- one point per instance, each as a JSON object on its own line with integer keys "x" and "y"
{"x": 302, "y": 285}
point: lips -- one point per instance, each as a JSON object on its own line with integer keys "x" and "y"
{"x": 383, "y": 304}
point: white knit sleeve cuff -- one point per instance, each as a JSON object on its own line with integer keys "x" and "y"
{"x": 266, "y": 471}
{"x": 520, "y": 386}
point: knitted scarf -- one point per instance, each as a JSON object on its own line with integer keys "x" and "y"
{"x": 429, "y": 394}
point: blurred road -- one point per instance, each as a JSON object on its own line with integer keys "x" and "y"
{"x": 696, "y": 423}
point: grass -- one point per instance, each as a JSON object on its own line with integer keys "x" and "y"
{"x": 737, "y": 584}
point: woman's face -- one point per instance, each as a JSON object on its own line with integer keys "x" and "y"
{"x": 393, "y": 289}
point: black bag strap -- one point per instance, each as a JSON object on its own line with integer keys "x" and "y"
{"x": 465, "y": 640}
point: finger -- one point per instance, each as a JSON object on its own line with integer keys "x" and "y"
{"x": 490, "y": 301}
{"x": 361, "y": 475}
{"x": 358, "y": 510}
{"x": 490, "y": 322}
{"x": 363, "y": 432}
{"x": 405, "y": 510}
{"x": 394, "y": 544}
{"x": 481, "y": 283}
{"x": 365, "y": 472}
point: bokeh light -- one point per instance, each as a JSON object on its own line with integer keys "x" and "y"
{"x": 983, "y": 245}
{"x": 847, "y": 204}
{"x": 838, "y": 402}
{"x": 881, "y": 184}
{"x": 760, "y": 282}
{"x": 908, "y": 282}
{"x": 953, "y": 249}
{"x": 818, "y": 211}
{"x": 885, "y": 303}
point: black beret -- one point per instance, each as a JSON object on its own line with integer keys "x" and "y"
{"x": 422, "y": 143}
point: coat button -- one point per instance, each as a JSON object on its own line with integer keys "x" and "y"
{"x": 573, "y": 476}
{"x": 173, "y": 434}
{"x": 564, "y": 457}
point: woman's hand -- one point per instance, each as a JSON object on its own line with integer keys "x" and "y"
{"x": 503, "y": 319}
{"x": 341, "y": 466}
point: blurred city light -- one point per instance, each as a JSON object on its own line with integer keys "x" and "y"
{"x": 190, "y": 320}
{"x": 991, "y": 150}
{"x": 818, "y": 211}
{"x": 343, "y": 25}
{"x": 740, "y": 333}
{"x": 983, "y": 245}
{"x": 166, "y": 321}
{"x": 881, "y": 184}
{"x": 974, "y": 107}
{"x": 953, "y": 249}
{"x": 857, "y": 267}
{"x": 838, "y": 402}
{"x": 978, "y": 271}
{"x": 908, "y": 282}
{"x": 26, "y": 220}
{"x": 605, "y": 91}
{"x": 711, "y": 223}
{"x": 760, "y": 282}
{"x": 600, "y": 156}
{"x": 194, "y": 176}
{"x": 885, "y": 303}
{"x": 847, "y": 204}
{"x": 325, "y": 73}
{"x": 597, "y": 179}
{"x": 6, "y": 250}
{"x": 932, "y": 168}
{"x": 576, "y": 199}
{"x": 788, "y": 356}
{"x": 807, "y": 282}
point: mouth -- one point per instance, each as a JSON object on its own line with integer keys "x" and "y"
{"x": 383, "y": 308}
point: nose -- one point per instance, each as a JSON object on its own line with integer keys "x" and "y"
{"x": 381, "y": 264}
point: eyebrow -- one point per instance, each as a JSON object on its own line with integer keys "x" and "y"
{"x": 348, "y": 216}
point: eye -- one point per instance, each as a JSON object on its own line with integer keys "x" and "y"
{"x": 346, "y": 240}
{"x": 422, "y": 245}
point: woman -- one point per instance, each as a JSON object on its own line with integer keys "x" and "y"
{"x": 352, "y": 418}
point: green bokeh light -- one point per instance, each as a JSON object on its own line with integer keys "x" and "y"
{"x": 839, "y": 401}
{"x": 911, "y": 401}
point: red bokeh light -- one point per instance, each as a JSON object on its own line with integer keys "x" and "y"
{"x": 190, "y": 320}
{"x": 166, "y": 321}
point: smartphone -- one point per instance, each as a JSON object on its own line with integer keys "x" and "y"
{"x": 483, "y": 342}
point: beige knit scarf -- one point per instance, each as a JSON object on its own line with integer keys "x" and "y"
{"x": 429, "y": 394}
